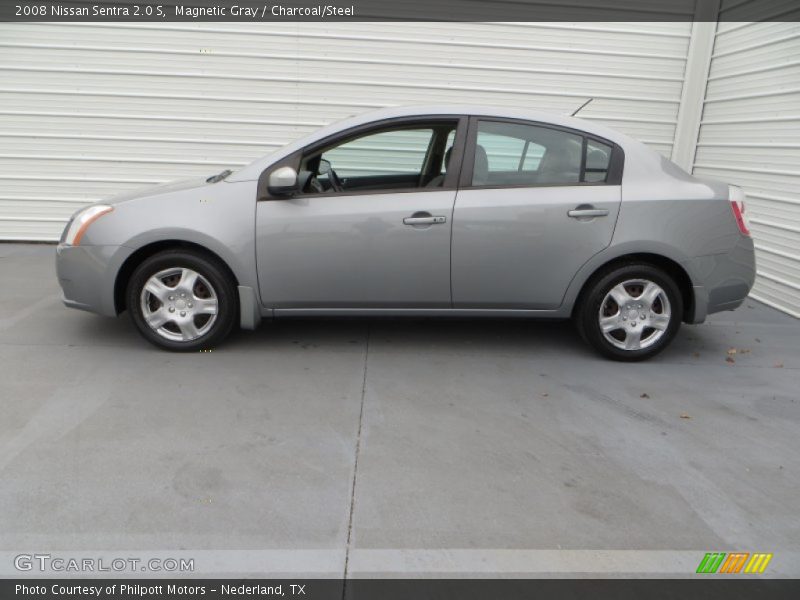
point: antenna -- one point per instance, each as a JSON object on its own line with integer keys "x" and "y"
{"x": 580, "y": 108}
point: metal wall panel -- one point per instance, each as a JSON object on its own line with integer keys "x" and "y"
{"x": 750, "y": 136}
{"x": 89, "y": 110}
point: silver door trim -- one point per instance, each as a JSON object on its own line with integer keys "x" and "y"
{"x": 425, "y": 220}
{"x": 582, "y": 213}
{"x": 558, "y": 313}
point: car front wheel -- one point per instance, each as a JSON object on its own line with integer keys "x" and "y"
{"x": 631, "y": 312}
{"x": 181, "y": 300}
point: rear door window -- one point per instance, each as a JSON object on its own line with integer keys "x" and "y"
{"x": 516, "y": 154}
{"x": 598, "y": 159}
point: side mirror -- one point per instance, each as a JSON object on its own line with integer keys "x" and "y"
{"x": 282, "y": 182}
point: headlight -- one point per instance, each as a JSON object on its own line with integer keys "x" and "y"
{"x": 81, "y": 221}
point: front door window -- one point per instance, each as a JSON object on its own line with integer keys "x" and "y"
{"x": 387, "y": 160}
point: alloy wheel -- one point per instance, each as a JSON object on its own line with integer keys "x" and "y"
{"x": 634, "y": 314}
{"x": 179, "y": 304}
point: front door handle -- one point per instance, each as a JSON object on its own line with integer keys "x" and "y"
{"x": 584, "y": 213}
{"x": 424, "y": 220}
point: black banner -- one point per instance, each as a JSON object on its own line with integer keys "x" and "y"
{"x": 399, "y": 10}
{"x": 712, "y": 588}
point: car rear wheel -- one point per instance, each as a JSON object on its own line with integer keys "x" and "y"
{"x": 632, "y": 312}
{"x": 181, "y": 300}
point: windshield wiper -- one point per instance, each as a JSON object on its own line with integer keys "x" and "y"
{"x": 219, "y": 176}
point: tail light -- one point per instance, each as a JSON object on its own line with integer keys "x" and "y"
{"x": 736, "y": 195}
{"x": 737, "y": 206}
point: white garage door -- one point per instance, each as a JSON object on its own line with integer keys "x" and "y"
{"x": 88, "y": 110}
{"x": 750, "y": 136}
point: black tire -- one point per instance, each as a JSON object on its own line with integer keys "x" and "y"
{"x": 587, "y": 315}
{"x": 222, "y": 289}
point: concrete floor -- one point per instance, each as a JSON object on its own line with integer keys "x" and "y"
{"x": 399, "y": 447}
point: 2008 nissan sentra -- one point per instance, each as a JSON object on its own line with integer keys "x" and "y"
{"x": 423, "y": 211}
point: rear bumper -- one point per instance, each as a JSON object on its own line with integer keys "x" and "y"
{"x": 722, "y": 281}
{"x": 87, "y": 275}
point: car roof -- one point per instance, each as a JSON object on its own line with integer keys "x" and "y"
{"x": 254, "y": 170}
{"x": 488, "y": 111}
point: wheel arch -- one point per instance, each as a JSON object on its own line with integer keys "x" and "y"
{"x": 144, "y": 252}
{"x": 668, "y": 265}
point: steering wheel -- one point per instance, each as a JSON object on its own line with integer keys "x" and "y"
{"x": 334, "y": 180}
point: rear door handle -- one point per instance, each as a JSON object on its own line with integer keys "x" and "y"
{"x": 582, "y": 213}
{"x": 424, "y": 220}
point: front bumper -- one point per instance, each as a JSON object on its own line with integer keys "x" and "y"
{"x": 87, "y": 275}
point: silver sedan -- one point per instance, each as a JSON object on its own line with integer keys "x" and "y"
{"x": 422, "y": 211}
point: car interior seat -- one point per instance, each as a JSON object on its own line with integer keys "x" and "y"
{"x": 439, "y": 179}
{"x": 480, "y": 172}
{"x": 560, "y": 165}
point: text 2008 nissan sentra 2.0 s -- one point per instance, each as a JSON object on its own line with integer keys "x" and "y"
{"x": 428, "y": 211}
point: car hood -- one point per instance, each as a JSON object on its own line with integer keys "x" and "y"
{"x": 157, "y": 190}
